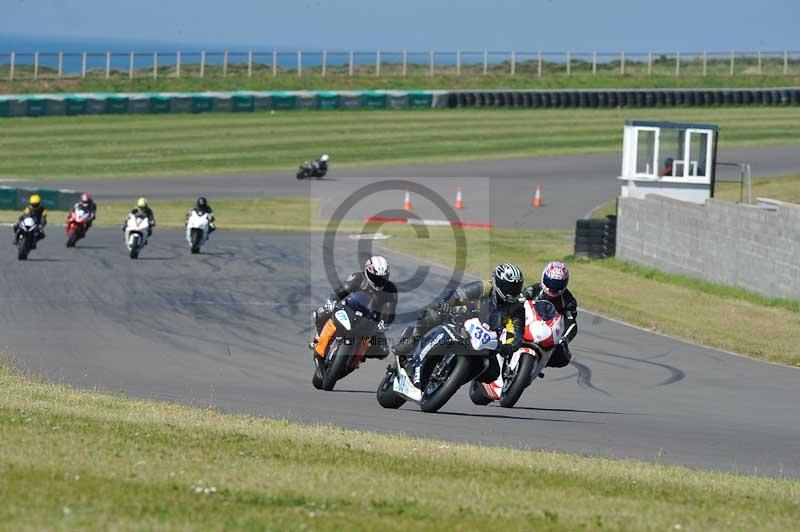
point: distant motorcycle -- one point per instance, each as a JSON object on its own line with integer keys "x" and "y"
{"x": 136, "y": 228}
{"x": 197, "y": 229}
{"x": 318, "y": 168}
{"x": 77, "y": 225}
{"x": 543, "y": 329}
{"x": 28, "y": 237}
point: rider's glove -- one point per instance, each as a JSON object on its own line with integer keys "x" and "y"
{"x": 527, "y": 293}
{"x": 444, "y": 307}
{"x": 329, "y": 305}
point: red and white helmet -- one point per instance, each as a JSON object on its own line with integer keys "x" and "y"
{"x": 86, "y": 198}
{"x": 376, "y": 271}
{"x": 555, "y": 278}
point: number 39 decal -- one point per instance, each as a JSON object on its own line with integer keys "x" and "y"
{"x": 480, "y": 337}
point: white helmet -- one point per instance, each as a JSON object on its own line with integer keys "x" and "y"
{"x": 376, "y": 271}
{"x": 325, "y": 157}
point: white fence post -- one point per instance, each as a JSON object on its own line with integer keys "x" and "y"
{"x": 594, "y": 63}
{"x": 785, "y": 62}
{"x": 431, "y": 62}
{"x": 83, "y": 65}
{"x": 202, "y": 64}
{"x": 225, "y": 63}
{"x": 622, "y": 63}
{"x": 405, "y": 63}
{"x": 485, "y": 61}
{"x": 677, "y": 64}
{"x": 11, "y": 66}
{"x": 458, "y": 62}
{"x": 569, "y": 63}
{"x": 155, "y": 65}
{"x": 705, "y": 63}
{"x": 36, "y": 65}
{"x": 378, "y": 63}
{"x": 733, "y": 54}
{"x": 60, "y": 64}
{"x": 108, "y": 64}
{"x": 250, "y": 63}
{"x": 132, "y": 63}
{"x": 649, "y": 63}
{"x": 324, "y": 62}
{"x": 513, "y": 62}
{"x": 299, "y": 64}
{"x": 539, "y": 63}
{"x": 759, "y": 63}
{"x": 351, "y": 68}
{"x": 178, "y": 64}
{"x": 274, "y": 63}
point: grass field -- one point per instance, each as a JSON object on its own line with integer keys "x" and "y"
{"x": 109, "y": 146}
{"x": 72, "y": 459}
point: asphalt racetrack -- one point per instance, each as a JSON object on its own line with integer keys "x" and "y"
{"x": 229, "y": 328}
{"x": 496, "y": 192}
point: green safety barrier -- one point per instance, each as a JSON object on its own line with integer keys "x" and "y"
{"x": 67, "y": 199}
{"x": 418, "y": 99}
{"x": 159, "y": 103}
{"x": 117, "y": 105}
{"x": 36, "y": 106}
{"x": 201, "y": 103}
{"x": 283, "y": 100}
{"x": 328, "y": 100}
{"x": 373, "y": 100}
{"x": 242, "y": 103}
{"x": 95, "y": 104}
{"x": 5, "y": 107}
{"x": 56, "y": 107}
{"x": 75, "y": 105}
{"x": 8, "y": 198}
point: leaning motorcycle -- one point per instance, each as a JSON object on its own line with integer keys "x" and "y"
{"x": 309, "y": 170}
{"x": 469, "y": 344}
{"x": 543, "y": 329}
{"x": 344, "y": 340}
{"x": 28, "y": 236}
{"x": 197, "y": 229}
{"x": 136, "y": 228}
{"x": 77, "y": 225}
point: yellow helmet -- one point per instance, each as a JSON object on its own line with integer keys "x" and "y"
{"x": 35, "y": 200}
{"x": 141, "y": 203}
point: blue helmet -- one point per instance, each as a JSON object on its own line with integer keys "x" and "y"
{"x": 555, "y": 278}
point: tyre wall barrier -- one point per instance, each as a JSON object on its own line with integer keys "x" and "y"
{"x": 16, "y": 199}
{"x": 596, "y": 239}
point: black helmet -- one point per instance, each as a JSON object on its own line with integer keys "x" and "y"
{"x": 202, "y": 202}
{"x": 506, "y": 283}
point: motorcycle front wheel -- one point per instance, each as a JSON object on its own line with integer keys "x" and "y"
{"x": 197, "y": 235}
{"x": 387, "y": 397}
{"x": 338, "y": 366}
{"x": 72, "y": 239}
{"x": 515, "y": 381}
{"x": 135, "y": 247}
{"x": 23, "y": 247}
{"x": 438, "y": 392}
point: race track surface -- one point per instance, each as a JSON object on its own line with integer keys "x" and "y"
{"x": 229, "y": 328}
{"x": 497, "y": 192}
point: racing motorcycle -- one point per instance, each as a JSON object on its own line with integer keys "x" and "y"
{"x": 136, "y": 228}
{"x": 197, "y": 227}
{"x": 543, "y": 329}
{"x": 344, "y": 340}
{"x": 469, "y": 344}
{"x": 77, "y": 225}
{"x": 28, "y": 236}
{"x": 311, "y": 169}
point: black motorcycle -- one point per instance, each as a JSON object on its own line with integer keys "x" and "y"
{"x": 344, "y": 340}
{"x": 311, "y": 169}
{"x": 28, "y": 237}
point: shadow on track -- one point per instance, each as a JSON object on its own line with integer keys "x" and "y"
{"x": 518, "y": 418}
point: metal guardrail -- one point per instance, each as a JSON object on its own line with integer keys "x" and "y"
{"x": 19, "y": 65}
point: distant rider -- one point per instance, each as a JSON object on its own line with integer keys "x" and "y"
{"x": 553, "y": 288}
{"x": 142, "y": 208}
{"x": 373, "y": 280}
{"x": 87, "y": 204}
{"x": 202, "y": 207}
{"x": 320, "y": 166}
{"x": 498, "y": 303}
{"x": 35, "y": 210}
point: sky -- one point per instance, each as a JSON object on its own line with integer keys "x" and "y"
{"x": 532, "y": 25}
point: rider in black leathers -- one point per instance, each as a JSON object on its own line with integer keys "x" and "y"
{"x": 374, "y": 280}
{"x": 497, "y": 301}
{"x": 553, "y": 288}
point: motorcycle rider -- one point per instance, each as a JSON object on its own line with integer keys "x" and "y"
{"x": 553, "y": 288}
{"x": 497, "y": 301}
{"x": 142, "y": 208}
{"x": 374, "y": 280}
{"x": 36, "y": 210}
{"x": 202, "y": 207}
{"x": 320, "y": 166}
{"x": 87, "y": 204}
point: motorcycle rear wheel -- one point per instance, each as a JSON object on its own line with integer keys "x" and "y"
{"x": 338, "y": 366}
{"x": 436, "y": 400}
{"x": 513, "y": 388}
{"x": 477, "y": 395}
{"x": 387, "y": 397}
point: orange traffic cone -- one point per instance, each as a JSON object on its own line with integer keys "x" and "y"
{"x": 407, "y": 201}
{"x": 537, "y": 198}
{"x": 459, "y": 199}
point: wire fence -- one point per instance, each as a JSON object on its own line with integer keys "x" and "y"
{"x": 176, "y": 64}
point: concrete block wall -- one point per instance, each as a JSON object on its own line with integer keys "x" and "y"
{"x": 722, "y": 242}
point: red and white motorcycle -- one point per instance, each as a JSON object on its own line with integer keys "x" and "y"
{"x": 77, "y": 225}
{"x": 543, "y": 329}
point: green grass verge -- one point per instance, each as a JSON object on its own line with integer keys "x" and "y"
{"x": 415, "y": 80}
{"x": 153, "y": 145}
{"x": 77, "y": 459}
